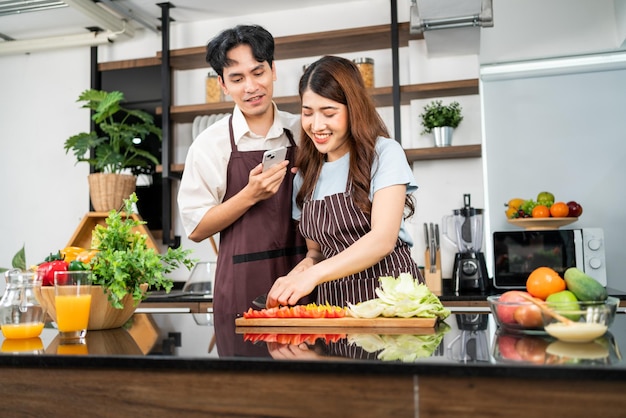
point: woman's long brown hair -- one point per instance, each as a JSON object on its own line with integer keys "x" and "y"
{"x": 339, "y": 79}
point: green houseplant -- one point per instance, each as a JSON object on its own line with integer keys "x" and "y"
{"x": 437, "y": 115}
{"x": 117, "y": 157}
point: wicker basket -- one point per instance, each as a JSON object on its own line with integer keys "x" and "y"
{"x": 108, "y": 191}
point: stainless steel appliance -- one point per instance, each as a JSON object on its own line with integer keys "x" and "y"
{"x": 471, "y": 345}
{"x": 470, "y": 270}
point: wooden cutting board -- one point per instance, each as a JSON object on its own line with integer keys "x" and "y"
{"x": 335, "y": 330}
{"x": 337, "y": 322}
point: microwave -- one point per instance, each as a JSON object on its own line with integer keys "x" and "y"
{"x": 517, "y": 253}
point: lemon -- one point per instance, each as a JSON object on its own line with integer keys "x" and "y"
{"x": 565, "y": 302}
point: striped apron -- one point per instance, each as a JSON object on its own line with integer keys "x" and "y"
{"x": 336, "y": 223}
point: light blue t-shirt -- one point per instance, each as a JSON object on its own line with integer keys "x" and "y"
{"x": 389, "y": 169}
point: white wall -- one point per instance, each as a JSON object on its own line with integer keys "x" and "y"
{"x": 44, "y": 195}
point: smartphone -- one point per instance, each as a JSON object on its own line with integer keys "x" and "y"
{"x": 273, "y": 157}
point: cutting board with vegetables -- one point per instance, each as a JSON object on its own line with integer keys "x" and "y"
{"x": 338, "y": 322}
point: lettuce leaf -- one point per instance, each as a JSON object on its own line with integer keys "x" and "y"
{"x": 400, "y": 297}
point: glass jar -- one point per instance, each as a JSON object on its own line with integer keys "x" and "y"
{"x": 366, "y": 67}
{"x": 214, "y": 92}
{"x": 21, "y": 314}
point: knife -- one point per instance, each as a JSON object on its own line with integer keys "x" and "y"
{"x": 427, "y": 252}
{"x": 433, "y": 251}
{"x": 437, "y": 244}
{"x": 260, "y": 301}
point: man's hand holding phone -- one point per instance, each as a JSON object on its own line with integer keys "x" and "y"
{"x": 265, "y": 179}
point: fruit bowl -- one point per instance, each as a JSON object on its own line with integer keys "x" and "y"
{"x": 517, "y": 315}
{"x": 536, "y": 349}
{"x": 523, "y": 316}
{"x": 541, "y": 223}
{"x": 520, "y": 348}
{"x": 580, "y": 321}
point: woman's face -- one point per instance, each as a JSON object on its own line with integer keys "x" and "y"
{"x": 326, "y": 123}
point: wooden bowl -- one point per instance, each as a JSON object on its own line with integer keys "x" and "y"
{"x": 102, "y": 315}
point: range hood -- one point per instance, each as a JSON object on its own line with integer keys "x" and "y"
{"x": 451, "y": 27}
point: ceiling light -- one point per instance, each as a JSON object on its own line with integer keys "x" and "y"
{"x": 55, "y": 42}
{"x": 444, "y": 17}
{"x": 11, "y": 7}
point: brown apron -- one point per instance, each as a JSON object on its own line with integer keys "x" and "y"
{"x": 336, "y": 223}
{"x": 263, "y": 244}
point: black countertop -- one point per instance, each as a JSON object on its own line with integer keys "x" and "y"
{"x": 447, "y": 294}
{"x": 464, "y": 345}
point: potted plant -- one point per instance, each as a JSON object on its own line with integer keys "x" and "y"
{"x": 441, "y": 121}
{"x": 116, "y": 158}
{"x": 123, "y": 268}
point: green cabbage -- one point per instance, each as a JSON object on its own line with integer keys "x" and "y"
{"x": 404, "y": 347}
{"x": 400, "y": 297}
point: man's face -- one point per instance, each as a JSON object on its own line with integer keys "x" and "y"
{"x": 250, "y": 83}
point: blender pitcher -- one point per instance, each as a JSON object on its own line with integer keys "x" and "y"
{"x": 470, "y": 269}
{"x": 468, "y": 227}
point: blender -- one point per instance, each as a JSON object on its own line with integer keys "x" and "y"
{"x": 470, "y": 270}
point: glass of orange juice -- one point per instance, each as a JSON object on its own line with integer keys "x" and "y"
{"x": 72, "y": 301}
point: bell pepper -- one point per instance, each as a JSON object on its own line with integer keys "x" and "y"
{"x": 47, "y": 269}
{"x": 76, "y": 265}
{"x": 69, "y": 253}
{"x": 86, "y": 256}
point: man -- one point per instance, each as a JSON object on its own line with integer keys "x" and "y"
{"x": 223, "y": 188}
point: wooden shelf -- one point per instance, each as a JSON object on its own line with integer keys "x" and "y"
{"x": 412, "y": 155}
{"x": 382, "y": 97}
{"x": 310, "y": 44}
{"x": 444, "y": 153}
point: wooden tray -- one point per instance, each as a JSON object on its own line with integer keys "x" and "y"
{"x": 82, "y": 235}
{"x": 338, "y": 322}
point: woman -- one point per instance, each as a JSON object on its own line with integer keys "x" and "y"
{"x": 351, "y": 191}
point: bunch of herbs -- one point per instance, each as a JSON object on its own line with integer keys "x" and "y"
{"x": 124, "y": 261}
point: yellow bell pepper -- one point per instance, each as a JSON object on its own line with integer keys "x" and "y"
{"x": 86, "y": 255}
{"x": 69, "y": 253}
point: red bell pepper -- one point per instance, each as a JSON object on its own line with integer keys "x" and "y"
{"x": 47, "y": 270}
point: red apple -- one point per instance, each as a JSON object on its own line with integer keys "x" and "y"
{"x": 528, "y": 316}
{"x": 575, "y": 210}
{"x": 506, "y": 310}
{"x": 532, "y": 349}
{"x": 506, "y": 347}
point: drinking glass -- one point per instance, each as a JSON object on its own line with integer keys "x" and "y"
{"x": 72, "y": 300}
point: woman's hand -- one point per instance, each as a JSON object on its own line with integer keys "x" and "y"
{"x": 300, "y": 281}
{"x": 291, "y": 351}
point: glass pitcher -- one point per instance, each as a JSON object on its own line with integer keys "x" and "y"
{"x": 21, "y": 314}
{"x": 468, "y": 227}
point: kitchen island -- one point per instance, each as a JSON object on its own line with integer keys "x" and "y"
{"x": 184, "y": 364}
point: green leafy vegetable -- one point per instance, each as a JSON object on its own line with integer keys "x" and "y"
{"x": 124, "y": 261}
{"x": 18, "y": 261}
{"x": 402, "y": 297}
{"x": 404, "y": 347}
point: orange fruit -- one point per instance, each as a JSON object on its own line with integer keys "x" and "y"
{"x": 559, "y": 210}
{"x": 540, "y": 211}
{"x": 544, "y": 281}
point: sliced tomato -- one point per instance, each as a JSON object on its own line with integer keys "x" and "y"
{"x": 299, "y": 311}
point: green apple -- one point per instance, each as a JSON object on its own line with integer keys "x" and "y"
{"x": 545, "y": 198}
{"x": 565, "y": 302}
